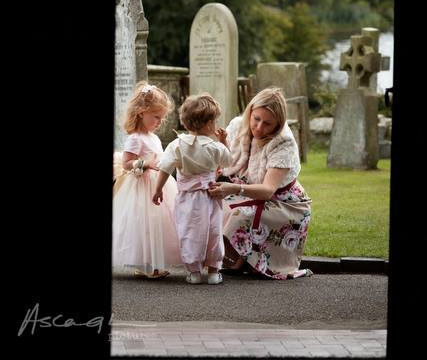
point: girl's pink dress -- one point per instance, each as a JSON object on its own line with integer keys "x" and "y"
{"x": 144, "y": 234}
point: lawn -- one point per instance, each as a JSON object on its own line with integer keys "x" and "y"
{"x": 350, "y": 209}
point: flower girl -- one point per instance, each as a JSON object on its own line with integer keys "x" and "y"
{"x": 144, "y": 235}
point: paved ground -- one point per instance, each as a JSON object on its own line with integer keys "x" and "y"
{"x": 321, "y": 316}
{"x": 339, "y": 301}
{"x": 216, "y": 339}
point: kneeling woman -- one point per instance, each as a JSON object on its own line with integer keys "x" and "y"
{"x": 266, "y": 210}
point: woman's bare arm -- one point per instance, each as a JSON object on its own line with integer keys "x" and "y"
{"x": 272, "y": 181}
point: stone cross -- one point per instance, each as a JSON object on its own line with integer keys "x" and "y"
{"x": 354, "y": 137}
{"x": 360, "y": 61}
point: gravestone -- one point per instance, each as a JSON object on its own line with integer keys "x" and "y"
{"x": 130, "y": 59}
{"x": 354, "y": 137}
{"x": 291, "y": 77}
{"x": 214, "y": 58}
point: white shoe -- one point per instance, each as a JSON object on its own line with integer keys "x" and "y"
{"x": 214, "y": 278}
{"x": 194, "y": 278}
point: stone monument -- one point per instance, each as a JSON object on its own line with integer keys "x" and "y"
{"x": 169, "y": 79}
{"x": 214, "y": 57}
{"x": 130, "y": 58}
{"x": 354, "y": 137}
{"x": 290, "y": 76}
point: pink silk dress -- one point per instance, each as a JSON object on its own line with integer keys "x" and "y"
{"x": 144, "y": 234}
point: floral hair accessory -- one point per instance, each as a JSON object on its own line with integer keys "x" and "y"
{"x": 147, "y": 88}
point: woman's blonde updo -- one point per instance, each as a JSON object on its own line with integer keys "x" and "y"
{"x": 271, "y": 99}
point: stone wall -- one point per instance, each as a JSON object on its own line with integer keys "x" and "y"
{"x": 169, "y": 79}
{"x": 321, "y": 128}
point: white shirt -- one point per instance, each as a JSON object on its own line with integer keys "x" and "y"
{"x": 194, "y": 154}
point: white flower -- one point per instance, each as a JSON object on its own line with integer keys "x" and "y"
{"x": 290, "y": 240}
{"x": 137, "y": 172}
{"x": 248, "y": 211}
{"x": 259, "y": 235}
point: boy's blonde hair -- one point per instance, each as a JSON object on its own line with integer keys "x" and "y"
{"x": 145, "y": 98}
{"x": 271, "y": 99}
{"x": 197, "y": 110}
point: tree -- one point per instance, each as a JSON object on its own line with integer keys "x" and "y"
{"x": 301, "y": 39}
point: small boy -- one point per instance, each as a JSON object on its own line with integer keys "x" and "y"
{"x": 196, "y": 156}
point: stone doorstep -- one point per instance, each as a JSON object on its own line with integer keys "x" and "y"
{"x": 325, "y": 265}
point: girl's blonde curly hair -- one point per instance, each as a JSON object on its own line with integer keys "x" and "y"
{"x": 145, "y": 98}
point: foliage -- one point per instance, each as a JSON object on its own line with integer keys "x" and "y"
{"x": 269, "y": 30}
{"x": 348, "y": 16}
{"x": 304, "y": 40}
{"x": 266, "y": 33}
{"x": 323, "y": 102}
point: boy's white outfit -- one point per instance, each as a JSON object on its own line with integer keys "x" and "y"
{"x": 198, "y": 217}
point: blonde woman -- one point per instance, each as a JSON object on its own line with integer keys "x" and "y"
{"x": 266, "y": 210}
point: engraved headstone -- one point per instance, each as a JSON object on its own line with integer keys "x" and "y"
{"x": 214, "y": 57}
{"x": 130, "y": 58}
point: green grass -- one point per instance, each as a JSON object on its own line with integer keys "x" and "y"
{"x": 350, "y": 209}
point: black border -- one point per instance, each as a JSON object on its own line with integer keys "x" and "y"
{"x": 59, "y": 80}
{"x": 59, "y": 92}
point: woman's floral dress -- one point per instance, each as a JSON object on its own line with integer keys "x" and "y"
{"x": 273, "y": 244}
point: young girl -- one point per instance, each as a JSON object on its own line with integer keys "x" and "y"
{"x": 143, "y": 235}
{"x": 198, "y": 217}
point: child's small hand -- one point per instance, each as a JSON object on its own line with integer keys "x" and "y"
{"x": 158, "y": 196}
{"x": 221, "y": 134}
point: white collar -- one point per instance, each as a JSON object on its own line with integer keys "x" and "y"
{"x": 190, "y": 139}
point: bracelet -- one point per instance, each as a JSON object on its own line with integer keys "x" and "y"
{"x": 242, "y": 190}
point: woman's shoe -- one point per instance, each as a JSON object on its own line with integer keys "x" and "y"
{"x": 214, "y": 278}
{"x": 194, "y": 278}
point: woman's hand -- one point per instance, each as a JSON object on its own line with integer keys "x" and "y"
{"x": 220, "y": 190}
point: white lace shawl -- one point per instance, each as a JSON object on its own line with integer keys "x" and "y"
{"x": 279, "y": 152}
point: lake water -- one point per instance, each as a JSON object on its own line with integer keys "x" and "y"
{"x": 340, "y": 78}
